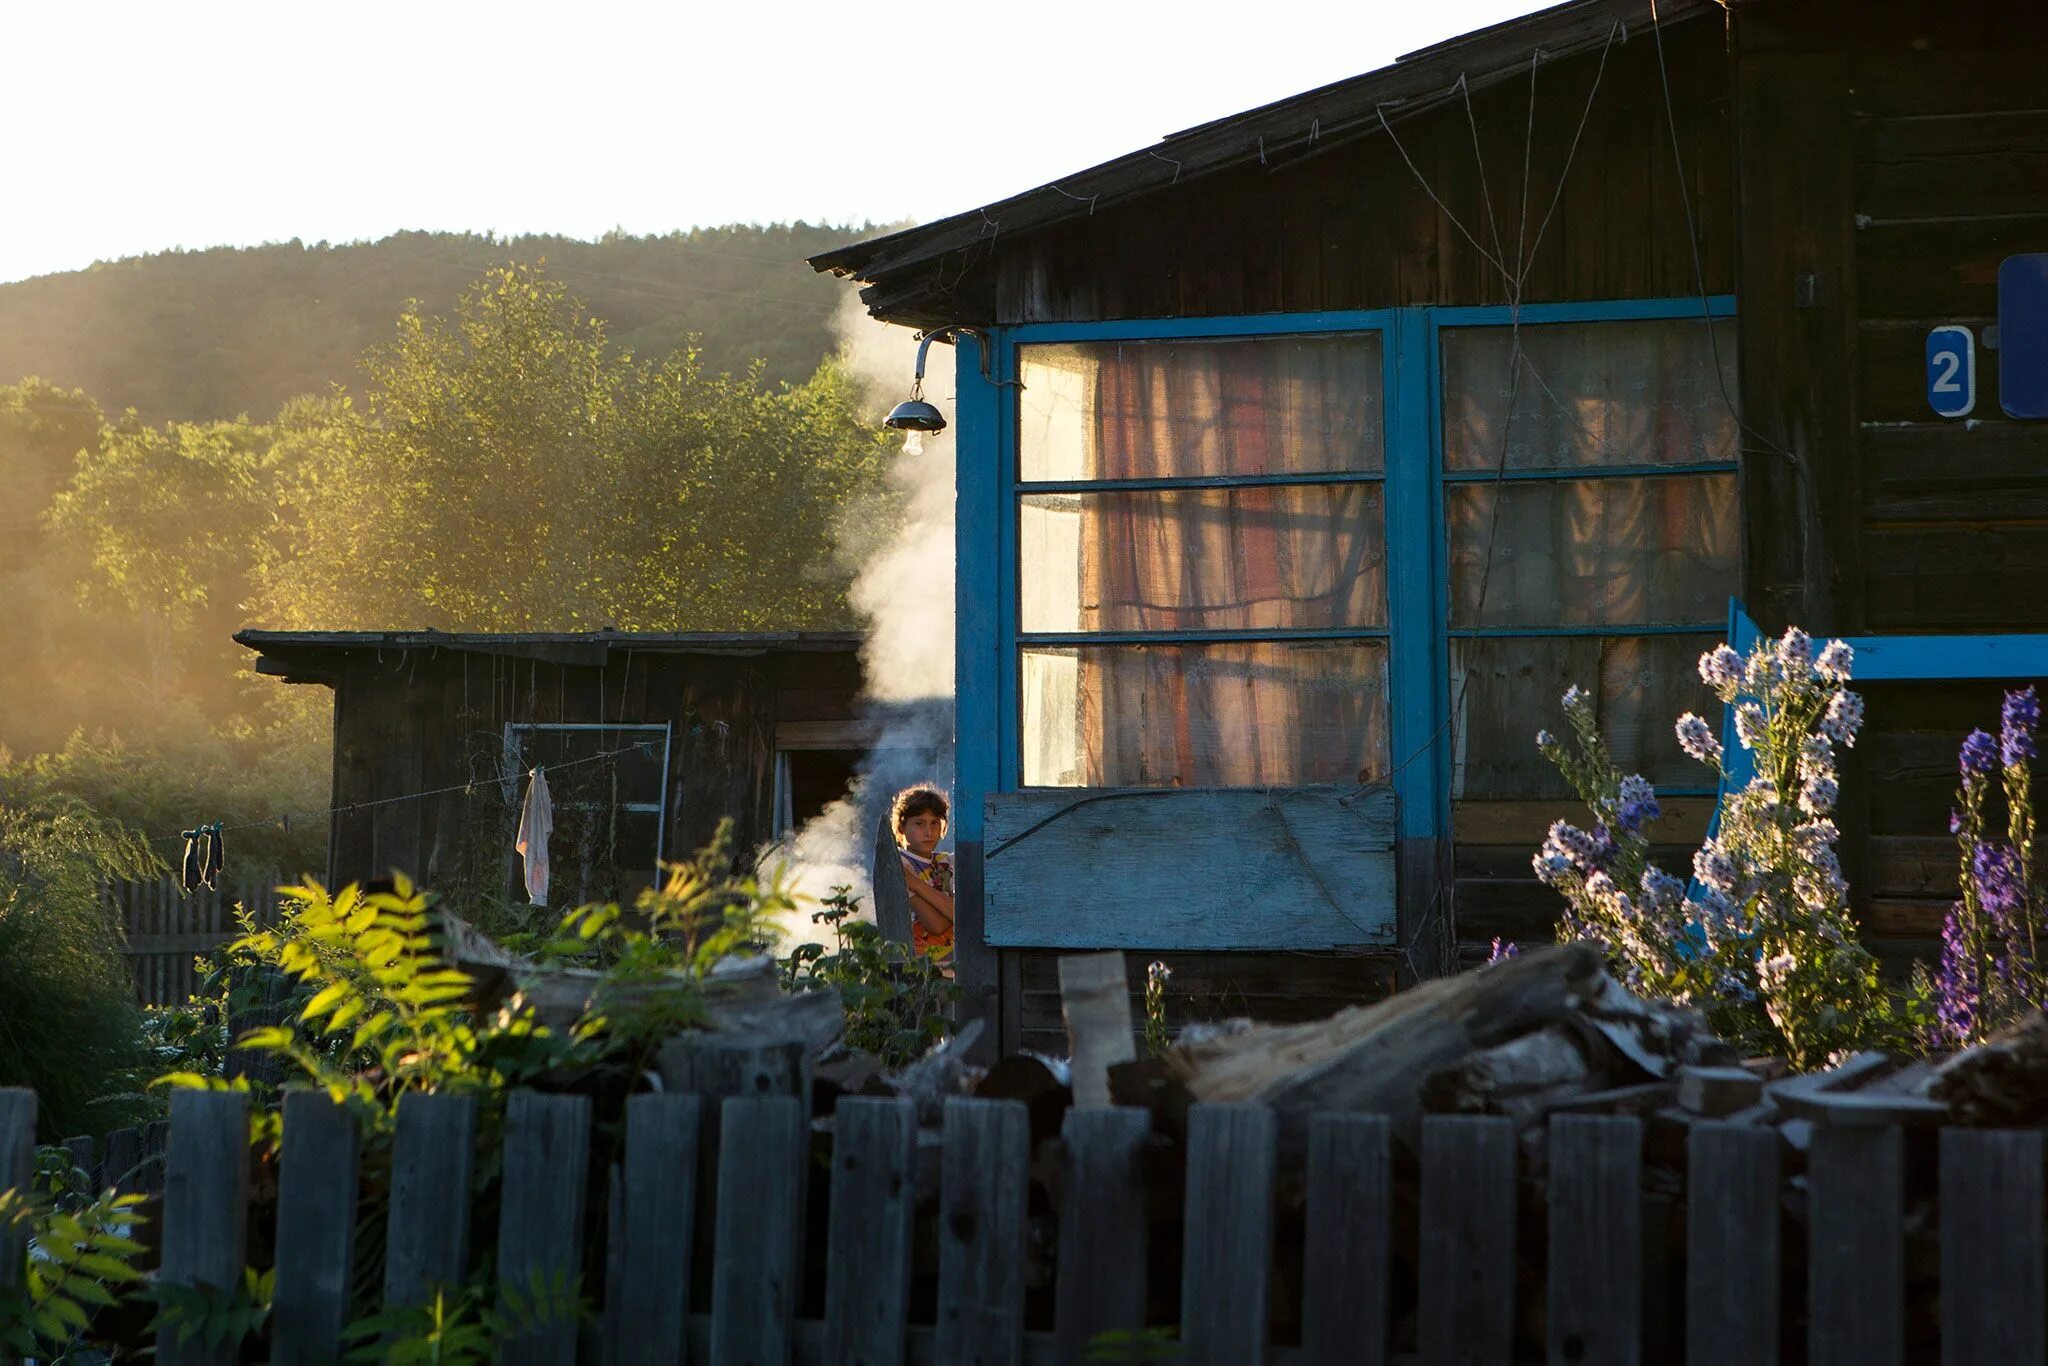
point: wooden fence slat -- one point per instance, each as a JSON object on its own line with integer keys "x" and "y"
{"x": 78, "y": 1152}
{"x": 119, "y": 1163}
{"x": 205, "y": 1209}
{"x": 763, "y": 1145}
{"x": 1595, "y": 1286}
{"x": 1467, "y": 1252}
{"x": 1346, "y": 1262}
{"x": 1856, "y": 1254}
{"x": 982, "y": 1202}
{"x": 651, "y": 1317}
{"x": 1732, "y": 1245}
{"x": 317, "y": 1180}
{"x": 874, "y": 1195}
{"x": 1227, "y": 1246}
{"x": 17, "y": 1173}
{"x": 540, "y": 1222}
{"x": 1101, "y": 1282}
{"x": 426, "y": 1244}
{"x": 1993, "y": 1280}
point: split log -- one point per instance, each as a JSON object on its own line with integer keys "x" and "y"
{"x": 2003, "y": 1081}
{"x": 1374, "y": 1059}
{"x": 1095, "y": 999}
{"x": 1544, "y": 1063}
{"x": 1855, "y": 1093}
{"x": 1718, "y": 1091}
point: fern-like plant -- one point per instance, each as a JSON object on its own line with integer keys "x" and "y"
{"x": 79, "y": 1262}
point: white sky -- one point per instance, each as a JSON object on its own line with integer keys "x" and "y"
{"x": 140, "y": 127}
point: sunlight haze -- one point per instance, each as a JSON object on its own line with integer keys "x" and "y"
{"x": 152, "y": 127}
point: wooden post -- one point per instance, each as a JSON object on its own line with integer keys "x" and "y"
{"x": 17, "y": 1174}
{"x": 206, "y": 1196}
{"x": 1227, "y": 1249}
{"x": 763, "y": 1142}
{"x": 1102, "y": 1271}
{"x": 1992, "y": 1275}
{"x": 1095, "y": 999}
{"x": 1596, "y": 1240}
{"x": 1731, "y": 1255}
{"x": 120, "y": 1164}
{"x": 316, "y": 1229}
{"x": 651, "y": 1317}
{"x": 78, "y": 1151}
{"x": 1856, "y": 1247}
{"x": 540, "y": 1221}
{"x": 983, "y": 1182}
{"x": 426, "y": 1245}
{"x": 874, "y": 1195}
{"x": 1346, "y": 1266}
{"x": 1467, "y": 1290}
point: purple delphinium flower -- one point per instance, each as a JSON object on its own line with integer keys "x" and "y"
{"x": 1843, "y": 718}
{"x": 1835, "y": 662}
{"x": 1978, "y": 757}
{"x": 1749, "y": 725}
{"x": 1636, "y": 805}
{"x": 1795, "y": 648}
{"x": 1502, "y": 951}
{"x": 2017, "y": 722}
{"x": 1956, "y": 988}
{"x": 1696, "y": 738}
{"x": 1720, "y": 668}
{"x": 1995, "y": 872}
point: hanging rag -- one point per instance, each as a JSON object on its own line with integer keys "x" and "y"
{"x": 536, "y": 823}
{"x": 214, "y": 853}
{"x": 192, "y": 869}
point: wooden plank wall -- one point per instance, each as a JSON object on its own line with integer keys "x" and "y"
{"x": 417, "y": 720}
{"x": 1353, "y": 227}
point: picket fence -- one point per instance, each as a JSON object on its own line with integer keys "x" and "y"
{"x": 163, "y": 928}
{"x": 1589, "y": 1308}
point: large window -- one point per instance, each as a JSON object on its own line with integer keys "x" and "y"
{"x": 1250, "y": 560}
{"x": 1591, "y": 519}
{"x": 1202, "y": 562}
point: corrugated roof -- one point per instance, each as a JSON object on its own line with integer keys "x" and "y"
{"x": 308, "y": 655}
{"x": 1275, "y": 135}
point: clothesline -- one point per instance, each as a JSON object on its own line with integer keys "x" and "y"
{"x": 345, "y": 807}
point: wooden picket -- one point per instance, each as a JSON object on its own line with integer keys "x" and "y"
{"x": 1473, "y": 1285}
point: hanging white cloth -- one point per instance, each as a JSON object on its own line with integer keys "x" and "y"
{"x": 536, "y": 823}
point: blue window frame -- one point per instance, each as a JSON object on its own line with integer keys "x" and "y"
{"x": 1417, "y": 627}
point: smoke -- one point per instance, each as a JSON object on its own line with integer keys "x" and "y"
{"x": 901, "y": 549}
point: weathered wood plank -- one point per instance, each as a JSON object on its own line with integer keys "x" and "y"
{"x": 1322, "y": 859}
{"x": 982, "y": 1190}
{"x": 1345, "y": 1267}
{"x": 1100, "y": 1286}
{"x": 1095, "y": 1001}
{"x": 874, "y": 1195}
{"x": 1856, "y": 1258}
{"x": 316, "y": 1229}
{"x": 1228, "y": 1248}
{"x": 758, "y": 1254}
{"x": 1993, "y": 1279}
{"x": 1467, "y": 1271}
{"x": 540, "y": 1221}
{"x": 206, "y": 1196}
{"x": 651, "y": 1312}
{"x": 1596, "y": 1240}
{"x": 427, "y": 1235}
{"x": 1732, "y": 1256}
{"x": 17, "y": 1173}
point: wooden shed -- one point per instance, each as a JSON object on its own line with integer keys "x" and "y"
{"x": 1308, "y": 455}
{"x": 648, "y": 740}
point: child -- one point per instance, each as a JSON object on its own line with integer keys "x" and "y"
{"x": 920, "y": 822}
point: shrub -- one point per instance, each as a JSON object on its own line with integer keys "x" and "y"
{"x": 896, "y": 999}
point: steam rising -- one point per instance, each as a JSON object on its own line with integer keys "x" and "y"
{"x": 903, "y": 591}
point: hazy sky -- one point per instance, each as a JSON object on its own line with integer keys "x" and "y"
{"x": 139, "y": 127}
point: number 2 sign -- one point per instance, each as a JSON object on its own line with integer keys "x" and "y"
{"x": 1951, "y": 371}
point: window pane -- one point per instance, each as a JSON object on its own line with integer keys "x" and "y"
{"x": 1279, "y": 556}
{"x": 1229, "y": 715}
{"x": 1503, "y": 690}
{"x": 1592, "y": 552}
{"x": 1148, "y": 410}
{"x": 1589, "y": 394}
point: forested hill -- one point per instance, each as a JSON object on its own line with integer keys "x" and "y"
{"x": 216, "y": 333}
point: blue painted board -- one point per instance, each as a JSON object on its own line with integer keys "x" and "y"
{"x": 2023, "y": 335}
{"x": 1187, "y": 868}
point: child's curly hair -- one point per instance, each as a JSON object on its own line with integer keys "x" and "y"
{"x": 917, "y": 801}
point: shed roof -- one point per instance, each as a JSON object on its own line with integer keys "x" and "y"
{"x": 308, "y": 656}
{"x": 902, "y": 268}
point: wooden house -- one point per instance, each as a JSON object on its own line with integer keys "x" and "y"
{"x": 1308, "y": 455}
{"x": 648, "y": 741}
